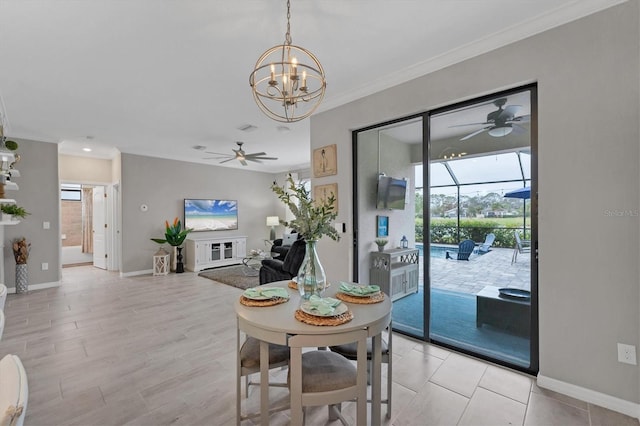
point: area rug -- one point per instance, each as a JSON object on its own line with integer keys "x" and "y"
{"x": 453, "y": 322}
{"x": 231, "y": 275}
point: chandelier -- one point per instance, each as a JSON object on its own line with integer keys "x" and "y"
{"x": 288, "y": 82}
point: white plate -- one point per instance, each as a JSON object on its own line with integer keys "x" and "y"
{"x": 338, "y": 310}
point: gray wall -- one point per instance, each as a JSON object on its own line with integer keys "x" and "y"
{"x": 379, "y": 153}
{"x": 39, "y": 195}
{"x": 587, "y": 73}
{"x": 163, "y": 184}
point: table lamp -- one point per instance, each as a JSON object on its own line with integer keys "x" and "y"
{"x": 273, "y": 221}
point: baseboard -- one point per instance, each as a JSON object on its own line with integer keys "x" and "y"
{"x": 629, "y": 408}
{"x": 36, "y": 286}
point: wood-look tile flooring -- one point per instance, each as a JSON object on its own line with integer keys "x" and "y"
{"x": 104, "y": 350}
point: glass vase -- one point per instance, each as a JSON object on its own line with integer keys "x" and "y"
{"x": 311, "y": 277}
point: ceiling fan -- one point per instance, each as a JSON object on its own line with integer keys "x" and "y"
{"x": 240, "y": 155}
{"x": 500, "y": 122}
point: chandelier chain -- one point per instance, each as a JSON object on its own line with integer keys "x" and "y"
{"x": 287, "y": 37}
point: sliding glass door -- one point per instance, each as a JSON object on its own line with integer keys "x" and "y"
{"x": 466, "y": 231}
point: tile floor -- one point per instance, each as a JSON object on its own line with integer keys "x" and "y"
{"x": 104, "y": 350}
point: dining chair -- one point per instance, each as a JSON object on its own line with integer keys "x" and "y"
{"x": 3, "y": 296}
{"x": 349, "y": 351}
{"x": 1, "y": 324}
{"x": 248, "y": 363}
{"x": 522, "y": 246}
{"x": 328, "y": 378}
{"x": 14, "y": 391}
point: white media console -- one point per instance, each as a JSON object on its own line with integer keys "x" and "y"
{"x": 207, "y": 252}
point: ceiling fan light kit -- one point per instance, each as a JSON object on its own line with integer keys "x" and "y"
{"x": 288, "y": 81}
{"x": 500, "y": 122}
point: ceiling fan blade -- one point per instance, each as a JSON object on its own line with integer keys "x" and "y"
{"x": 260, "y": 157}
{"x": 470, "y": 124}
{"x": 227, "y": 160}
{"x": 477, "y": 132}
{"x": 215, "y": 158}
{"x": 244, "y": 163}
{"x": 254, "y": 159}
{"x": 253, "y": 154}
{"x": 226, "y": 154}
{"x": 521, "y": 119}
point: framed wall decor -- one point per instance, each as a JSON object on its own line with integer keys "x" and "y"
{"x": 382, "y": 226}
{"x": 322, "y": 192}
{"x": 325, "y": 161}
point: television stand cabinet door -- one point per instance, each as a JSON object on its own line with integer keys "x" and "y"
{"x": 204, "y": 253}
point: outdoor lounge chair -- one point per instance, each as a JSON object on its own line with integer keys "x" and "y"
{"x": 465, "y": 248}
{"x": 522, "y": 246}
{"x": 488, "y": 241}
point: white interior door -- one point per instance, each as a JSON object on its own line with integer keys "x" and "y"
{"x": 99, "y": 228}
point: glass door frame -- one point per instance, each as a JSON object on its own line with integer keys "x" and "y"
{"x": 426, "y": 154}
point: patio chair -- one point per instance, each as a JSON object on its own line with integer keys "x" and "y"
{"x": 488, "y": 241}
{"x": 465, "y": 248}
{"x": 522, "y": 246}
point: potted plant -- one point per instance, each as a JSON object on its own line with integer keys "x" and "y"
{"x": 381, "y": 242}
{"x": 174, "y": 235}
{"x": 313, "y": 220}
{"x": 13, "y": 210}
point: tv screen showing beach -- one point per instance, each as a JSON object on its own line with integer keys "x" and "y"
{"x": 210, "y": 215}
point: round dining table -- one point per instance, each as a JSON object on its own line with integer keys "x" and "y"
{"x": 277, "y": 323}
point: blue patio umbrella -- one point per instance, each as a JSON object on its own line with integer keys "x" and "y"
{"x": 524, "y": 193}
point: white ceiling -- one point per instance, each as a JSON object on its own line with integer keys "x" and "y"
{"x": 157, "y": 77}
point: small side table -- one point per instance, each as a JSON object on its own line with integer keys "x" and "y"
{"x": 512, "y": 315}
{"x": 253, "y": 262}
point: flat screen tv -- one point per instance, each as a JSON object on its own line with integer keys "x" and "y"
{"x": 210, "y": 215}
{"x": 391, "y": 193}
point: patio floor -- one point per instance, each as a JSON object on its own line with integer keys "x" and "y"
{"x": 491, "y": 269}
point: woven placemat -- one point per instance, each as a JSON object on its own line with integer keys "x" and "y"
{"x": 314, "y": 320}
{"x": 268, "y": 302}
{"x": 376, "y": 298}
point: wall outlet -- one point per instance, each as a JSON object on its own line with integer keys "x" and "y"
{"x": 627, "y": 354}
{"x": 45, "y": 266}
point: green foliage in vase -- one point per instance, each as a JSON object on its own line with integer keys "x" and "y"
{"x": 174, "y": 234}
{"x": 313, "y": 219}
{"x": 381, "y": 242}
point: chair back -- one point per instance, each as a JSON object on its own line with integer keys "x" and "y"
{"x": 14, "y": 391}
{"x": 294, "y": 257}
{"x": 465, "y": 248}
{"x": 488, "y": 241}
{"x": 3, "y": 295}
{"x": 518, "y": 240}
{"x": 1, "y": 323}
